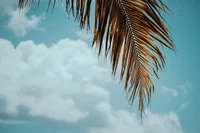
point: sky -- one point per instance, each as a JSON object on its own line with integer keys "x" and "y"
{"x": 52, "y": 81}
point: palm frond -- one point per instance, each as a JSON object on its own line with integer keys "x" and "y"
{"x": 130, "y": 28}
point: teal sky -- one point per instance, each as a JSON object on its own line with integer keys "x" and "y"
{"x": 33, "y": 77}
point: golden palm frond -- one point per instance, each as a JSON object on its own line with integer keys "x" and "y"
{"x": 130, "y": 28}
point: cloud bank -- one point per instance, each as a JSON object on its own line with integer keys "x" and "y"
{"x": 67, "y": 82}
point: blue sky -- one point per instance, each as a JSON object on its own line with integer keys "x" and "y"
{"x": 51, "y": 81}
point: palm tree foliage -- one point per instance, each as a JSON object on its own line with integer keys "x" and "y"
{"x": 131, "y": 29}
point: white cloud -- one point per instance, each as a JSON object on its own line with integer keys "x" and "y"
{"x": 67, "y": 82}
{"x": 20, "y": 23}
{"x": 124, "y": 122}
{"x": 185, "y": 87}
{"x": 63, "y": 82}
{"x": 172, "y": 91}
{"x": 84, "y": 35}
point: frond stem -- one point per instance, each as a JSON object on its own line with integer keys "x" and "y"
{"x": 121, "y": 5}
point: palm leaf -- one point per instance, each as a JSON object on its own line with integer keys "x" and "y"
{"x": 130, "y": 28}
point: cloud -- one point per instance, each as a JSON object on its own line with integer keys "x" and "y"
{"x": 183, "y": 105}
{"x": 185, "y": 87}
{"x": 124, "y": 122}
{"x": 172, "y": 91}
{"x": 67, "y": 82}
{"x": 84, "y": 35}
{"x": 63, "y": 82}
{"x": 20, "y": 23}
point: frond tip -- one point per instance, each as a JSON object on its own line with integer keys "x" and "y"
{"x": 130, "y": 28}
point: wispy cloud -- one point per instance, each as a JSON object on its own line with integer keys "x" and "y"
{"x": 20, "y": 23}
{"x": 183, "y": 106}
{"x": 184, "y": 87}
{"x": 169, "y": 90}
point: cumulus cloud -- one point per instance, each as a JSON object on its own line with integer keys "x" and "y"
{"x": 62, "y": 82}
{"x": 124, "y": 122}
{"x": 67, "y": 82}
{"x": 20, "y": 23}
{"x": 172, "y": 91}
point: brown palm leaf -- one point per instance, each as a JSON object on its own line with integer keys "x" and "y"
{"x": 129, "y": 26}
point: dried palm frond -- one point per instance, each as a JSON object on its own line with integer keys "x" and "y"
{"x": 130, "y": 28}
